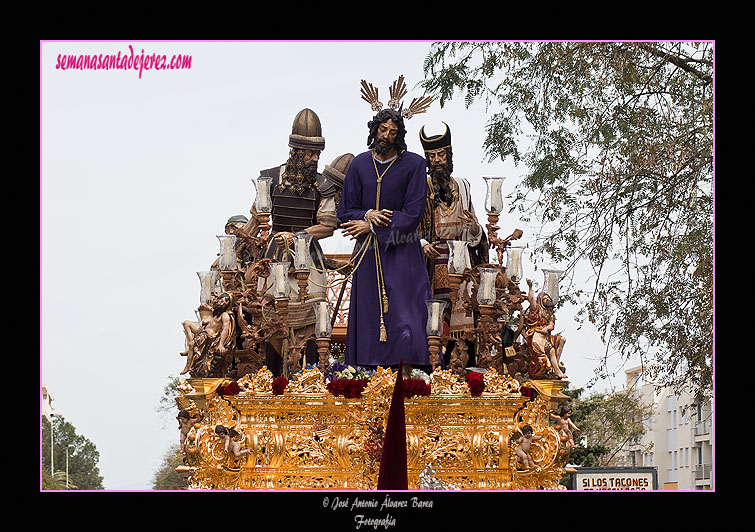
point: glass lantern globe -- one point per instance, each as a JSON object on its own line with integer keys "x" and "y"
{"x": 323, "y": 327}
{"x": 494, "y": 195}
{"x": 458, "y": 256}
{"x": 514, "y": 263}
{"x": 227, "y": 260}
{"x": 208, "y": 283}
{"x": 486, "y": 294}
{"x": 550, "y": 283}
{"x": 264, "y": 201}
{"x": 435, "y": 309}
{"x": 302, "y": 259}
{"x": 279, "y": 276}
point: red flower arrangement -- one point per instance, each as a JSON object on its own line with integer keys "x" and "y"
{"x": 414, "y": 387}
{"x": 527, "y": 392}
{"x": 230, "y": 389}
{"x": 476, "y": 383}
{"x": 279, "y": 385}
{"x": 349, "y": 388}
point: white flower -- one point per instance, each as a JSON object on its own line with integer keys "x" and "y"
{"x": 419, "y": 374}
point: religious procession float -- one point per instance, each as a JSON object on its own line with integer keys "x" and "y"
{"x": 271, "y": 398}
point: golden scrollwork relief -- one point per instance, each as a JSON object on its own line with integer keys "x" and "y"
{"x": 446, "y": 382}
{"x": 260, "y": 382}
{"x": 307, "y": 438}
{"x": 309, "y": 381}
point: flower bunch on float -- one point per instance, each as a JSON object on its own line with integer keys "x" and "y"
{"x": 414, "y": 387}
{"x": 337, "y": 370}
{"x": 476, "y": 383}
{"x": 347, "y": 387}
{"x": 279, "y": 385}
{"x": 229, "y": 389}
{"x": 419, "y": 374}
{"x": 346, "y": 380}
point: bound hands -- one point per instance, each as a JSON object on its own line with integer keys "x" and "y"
{"x": 381, "y": 217}
{"x": 355, "y": 228}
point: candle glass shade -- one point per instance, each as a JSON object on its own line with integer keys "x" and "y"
{"x": 458, "y": 256}
{"x": 208, "y": 283}
{"x": 323, "y": 327}
{"x": 263, "y": 202}
{"x": 302, "y": 241}
{"x": 279, "y": 276}
{"x": 550, "y": 283}
{"x": 514, "y": 263}
{"x": 435, "y": 310}
{"x": 494, "y": 195}
{"x": 486, "y": 291}
{"x": 227, "y": 261}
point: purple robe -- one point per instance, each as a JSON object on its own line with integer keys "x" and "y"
{"x": 403, "y": 190}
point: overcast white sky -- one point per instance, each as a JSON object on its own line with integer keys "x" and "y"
{"x": 139, "y": 175}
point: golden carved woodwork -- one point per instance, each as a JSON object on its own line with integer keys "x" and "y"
{"x": 306, "y": 438}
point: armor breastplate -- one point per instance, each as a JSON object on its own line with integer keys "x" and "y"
{"x": 292, "y": 211}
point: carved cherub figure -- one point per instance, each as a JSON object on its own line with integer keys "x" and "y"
{"x": 564, "y": 424}
{"x": 524, "y": 443}
{"x": 230, "y": 444}
{"x": 185, "y": 423}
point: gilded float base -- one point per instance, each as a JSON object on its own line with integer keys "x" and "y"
{"x": 307, "y": 439}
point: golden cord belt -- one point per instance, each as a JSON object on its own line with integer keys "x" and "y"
{"x": 382, "y": 296}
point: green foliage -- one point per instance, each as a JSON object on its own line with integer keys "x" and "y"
{"x": 49, "y": 483}
{"x": 167, "y": 407}
{"x": 166, "y": 477}
{"x": 617, "y": 141}
{"x": 83, "y": 458}
{"x": 589, "y": 453}
{"x": 608, "y": 423}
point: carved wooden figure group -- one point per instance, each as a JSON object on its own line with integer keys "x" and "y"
{"x": 417, "y": 240}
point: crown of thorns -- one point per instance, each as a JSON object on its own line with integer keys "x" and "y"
{"x": 397, "y": 92}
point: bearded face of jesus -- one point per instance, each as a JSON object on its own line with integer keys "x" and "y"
{"x": 387, "y": 133}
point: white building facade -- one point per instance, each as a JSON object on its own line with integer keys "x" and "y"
{"x": 681, "y": 433}
{"x": 47, "y": 398}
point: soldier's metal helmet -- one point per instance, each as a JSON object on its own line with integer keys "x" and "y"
{"x": 306, "y": 132}
{"x": 336, "y": 171}
{"x": 435, "y": 142}
{"x": 237, "y": 218}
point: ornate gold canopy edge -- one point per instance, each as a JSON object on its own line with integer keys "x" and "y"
{"x": 297, "y": 435}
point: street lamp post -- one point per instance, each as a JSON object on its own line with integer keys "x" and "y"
{"x": 52, "y": 447}
{"x": 69, "y": 446}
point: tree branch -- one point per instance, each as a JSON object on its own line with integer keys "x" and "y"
{"x": 676, "y": 60}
